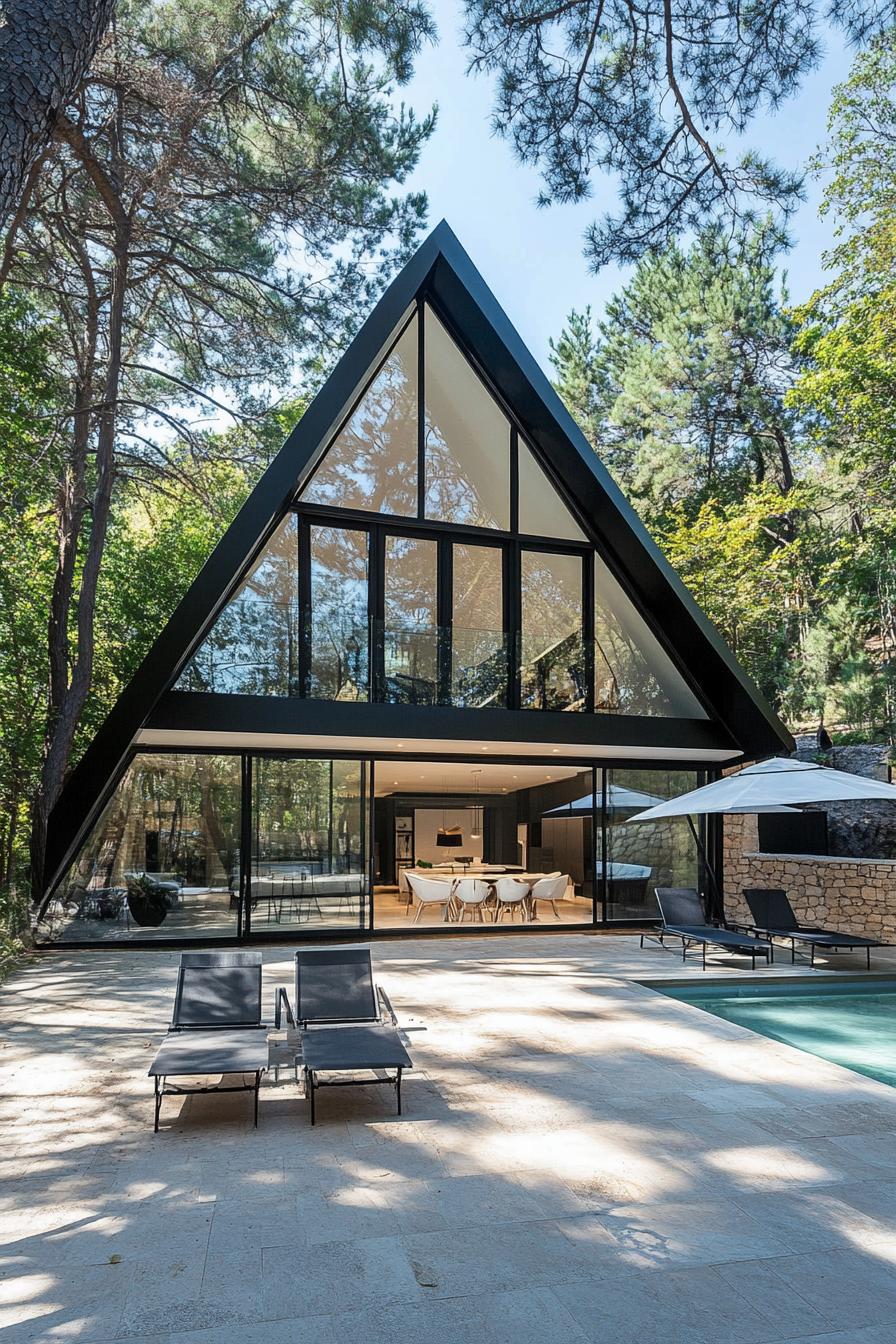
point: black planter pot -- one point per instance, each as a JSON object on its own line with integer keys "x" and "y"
{"x": 148, "y": 909}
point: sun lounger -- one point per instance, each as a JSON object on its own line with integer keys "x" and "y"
{"x": 773, "y": 917}
{"x": 348, "y": 1024}
{"x": 683, "y": 917}
{"x": 216, "y": 1027}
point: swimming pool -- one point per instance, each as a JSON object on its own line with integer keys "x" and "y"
{"x": 850, "y": 1023}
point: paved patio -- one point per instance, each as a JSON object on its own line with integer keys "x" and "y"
{"x": 580, "y": 1160}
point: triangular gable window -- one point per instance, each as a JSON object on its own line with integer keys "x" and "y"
{"x": 253, "y": 646}
{"x": 542, "y": 511}
{"x": 467, "y": 438}
{"x": 372, "y": 462}
{"x": 633, "y": 674}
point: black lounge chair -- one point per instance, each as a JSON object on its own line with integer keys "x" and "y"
{"x": 683, "y": 917}
{"x": 348, "y": 1024}
{"x": 216, "y": 1027}
{"x": 773, "y": 917}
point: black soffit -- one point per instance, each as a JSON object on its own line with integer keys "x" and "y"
{"x": 442, "y": 270}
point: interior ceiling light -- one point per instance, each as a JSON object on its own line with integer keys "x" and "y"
{"x": 448, "y": 837}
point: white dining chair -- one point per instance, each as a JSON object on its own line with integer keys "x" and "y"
{"x": 429, "y": 891}
{"x": 550, "y": 890}
{"x": 471, "y": 893}
{"x": 510, "y": 895}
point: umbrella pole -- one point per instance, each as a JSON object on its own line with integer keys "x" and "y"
{"x": 718, "y": 910}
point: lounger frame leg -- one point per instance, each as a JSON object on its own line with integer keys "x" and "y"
{"x": 309, "y": 1090}
{"x": 257, "y": 1090}
{"x": 160, "y": 1084}
{"x": 398, "y": 1090}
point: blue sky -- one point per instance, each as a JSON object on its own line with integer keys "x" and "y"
{"x": 532, "y": 259}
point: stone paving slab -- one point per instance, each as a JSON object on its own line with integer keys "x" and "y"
{"x": 580, "y": 1160}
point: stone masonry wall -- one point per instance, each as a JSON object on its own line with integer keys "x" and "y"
{"x": 851, "y": 895}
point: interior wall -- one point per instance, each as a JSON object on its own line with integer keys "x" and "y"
{"x": 427, "y": 822}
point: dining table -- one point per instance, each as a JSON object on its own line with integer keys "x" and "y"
{"x": 487, "y": 873}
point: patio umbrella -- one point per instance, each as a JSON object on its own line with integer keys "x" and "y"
{"x": 619, "y": 799}
{"x": 776, "y": 785}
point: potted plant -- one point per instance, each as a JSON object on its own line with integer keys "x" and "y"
{"x": 147, "y": 901}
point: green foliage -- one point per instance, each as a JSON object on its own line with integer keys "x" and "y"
{"x": 682, "y": 388}
{"x": 647, "y": 92}
{"x": 752, "y": 564}
{"x": 28, "y": 399}
{"x": 849, "y": 327}
{"x": 223, "y": 197}
{"x": 692, "y": 392}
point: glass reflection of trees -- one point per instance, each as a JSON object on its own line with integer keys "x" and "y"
{"x": 339, "y": 621}
{"x": 478, "y": 646}
{"x": 176, "y": 814}
{"x": 372, "y": 462}
{"x": 553, "y": 651}
{"x": 253, "y": 647}
{"x": 309, "y": 813}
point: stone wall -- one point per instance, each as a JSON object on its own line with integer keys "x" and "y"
{"x": 854, "y": 895}
{"x": 864, "y": 830}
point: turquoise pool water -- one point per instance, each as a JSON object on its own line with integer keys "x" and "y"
{"x": 848, "y": 1023}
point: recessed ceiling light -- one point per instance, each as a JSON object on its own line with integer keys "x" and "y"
{"x": 399, "y": 744}
{"x": 555, "y": 750}
{"x": 547, "y": 776}
{"x": 483, "y": 748}
{"x": 395, "y": 781}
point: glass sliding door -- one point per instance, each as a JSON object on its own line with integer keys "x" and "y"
{"x": 163, "y": 860}
{"x": 643, "y": 855}
{"x": 410, "y": 621}
{"x": 338, "y": 637}
{"x": 478, "y": 643}
{"x": 552, "y": 652}
{"x": 559, "y": 816}
{"x": 310, "y": 845}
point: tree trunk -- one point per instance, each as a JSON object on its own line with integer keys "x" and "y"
{"x": 46, "y": 47}
{"x": 68, "y": 693}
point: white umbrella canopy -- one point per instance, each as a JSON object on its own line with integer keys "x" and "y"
{"x": 619, "y": 799}
{"x": 776, "y": 785}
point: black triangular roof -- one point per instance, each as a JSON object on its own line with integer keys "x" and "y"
{"x": 442, "y": 269}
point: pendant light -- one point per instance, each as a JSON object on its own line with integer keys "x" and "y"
{"x": 448, "y": 837}
{"x": 476, "y": 829}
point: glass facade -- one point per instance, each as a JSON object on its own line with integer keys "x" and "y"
{"x": 410, "y": 621}
{"x": 164, "y": 858}
{"x": 542, "y": 511}
{"x": 372, "y": 462}
{"x": 253, "y": 647}
{"x": 552, "y": 662}
{"x": 338, "y": 633}
{"x": 368, "y": 607}
{"x": 479, "y": 662}
{"x": 467, "y": 438}
{"x": 643, "y": 855}
{"x": 309, "y": 865}
{"x": 633, "y": 673}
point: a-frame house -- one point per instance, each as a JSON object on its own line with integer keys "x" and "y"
{"x": 435, "y": 617}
